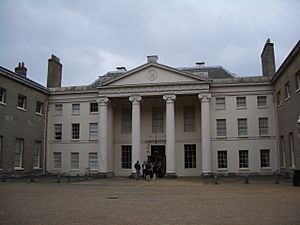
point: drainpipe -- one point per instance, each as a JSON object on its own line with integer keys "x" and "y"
{"x": 45, "y": 138}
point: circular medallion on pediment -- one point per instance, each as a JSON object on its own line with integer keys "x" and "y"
{"x": 152, "y": 75}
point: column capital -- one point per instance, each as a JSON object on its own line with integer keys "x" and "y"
{"x": 103, "y": 100}
{"x": 169, "y": 98}
{"x": 204, "y": 97}
{"x": 135, "y": 99}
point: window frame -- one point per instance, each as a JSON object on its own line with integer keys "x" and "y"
{"x": 287, "y": 91}
{"x": 190, "y": 156}
{"x": 223, "y": 129}
{"x": 222, "y": 105}
{"x": 243, "y": 161}
{"x": 20, "y": 152}
{"x": 94, "y": 107}
{"x": 93, "y": 161}
{"x": 263, "y": 130}
{"x": 241, "y": 104}
{"x": 75, "y": 108}
{"x": 282, "y": 152}
{"x": 126, "y": 157}
{"x": 39, "y": 109}
{"x": 1, "y": 152}
{"x": 221, "y": 161}
{"x": 278, "y": 98}
{"x": 75, "y": 164}
{"x": 23, "y": 98}
{"x": 2, "y": 96}
{"x": 75, "y": 132}
{"x": 58, "y": 132}
{"x": 189, "y": 118}
{"x": 93, "y": 132}
{"x": 242, "y": 127}
{"x": 297, "y": 81}
{"x": 259, "y": 102}
{"x": 126, "y": 120}
{"x": 291, "y": 150}
{"x": 37, "y": 157}
{"x": 265, "y": 159}
{"x": 60, "y": 111}
{"x": 57, "y": 160}
{"x": 158, "y": 120}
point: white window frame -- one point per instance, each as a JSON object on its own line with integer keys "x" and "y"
{"x": 39, "y": 108}
{"x": 241, "y": 102}
{"x": 75, "y": 132}
{"x": 76, "y": 109}
{"x": 265, "y": 158}
{"x": 262, "y": 101}
{"x": 292, "y": 150}
{"x": 23, "y": 100}
{"x": 158, "y": 120}
{"x": 58, "y": 109}
{"x": 263, "y": 124}
{"x": 221, "y": 131}
{"x": 74, "y": 161}
{"x": 282, "y": 152}
{"x": 19, "y": 154}
{"x": 126, "y": 157}
{"x": 58, "y": 132}
{"x": 3, "y": 96}
{"x": 222, "y": 160}
{"x": 93, "y": 161}
{"x": 126, "y": 121}
{"x": 243, "y": 161}
{"x": 94, "y": 107}
{"x": 242, "y": 127}
{"x": 190, "y": 156}
{"x": 189, "y": 118}
{"x": 278, "y": 98}
{"x": 297, "y": 81}
{"x": 221, "y": 103}
{"x": 57, "y": 160}
{"x": 287, "y": 90}
{"x": 93, "y": 131}
{"x": 37, "y": 155}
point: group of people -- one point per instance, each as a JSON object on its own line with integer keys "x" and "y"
{"x": 149, "y": 170}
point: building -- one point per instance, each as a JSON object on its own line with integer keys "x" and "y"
{"x": 287, "y": 91}
{"x": 23, "y": 113}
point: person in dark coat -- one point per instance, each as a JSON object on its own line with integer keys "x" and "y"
{"x": 137, "y": 168}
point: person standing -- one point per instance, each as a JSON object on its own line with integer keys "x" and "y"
{"x": 144, "y": 167}
{"x": 137, "y": 168}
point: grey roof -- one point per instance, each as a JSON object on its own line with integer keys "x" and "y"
{"x": 213, "y": 72}
{"x": 23, "y": 80}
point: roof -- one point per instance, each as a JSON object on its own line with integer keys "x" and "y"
{"x": 23, "y": 80}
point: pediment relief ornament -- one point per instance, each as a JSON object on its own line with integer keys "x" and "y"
{"x": 152, "y": 75}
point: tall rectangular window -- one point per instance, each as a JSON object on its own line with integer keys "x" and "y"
{"x": 222, "y": 159}
{"x": 93, "y": 131}
{"x": 22, "y": 102}
{"x": 265, "y": 158}
{"x": 93, "y": 161}
{"x": 93, "y": 107}
{"x": 282, "y": 152}
{"x": 287, "y": 90}
{"x": 57, "y": 160}
{"x": 297, "y": 80}
{"x": 278, "y": 98}
{"x": 37, "y": 154}
{"x": 19, "y": 153}
{"x": 242, "y": 127}
{"x": 74, "y": 161}
{"x": 220, "y": 103}
{"x": 243, "y": 159}
{"x": 57, "y": 132}
{"x": 75, "y": 131}
{"x": 126, "y": 121}
{"x": 189, "y": 118}
{"x": 126, "y": 157}
{"x": 157, "y": 120}
{"x": 221, "y": 127}
{"x": 241, "y": 102}
{"x": 189, "y": 156}
{"x": 263, "y": 126}
{"x": 58, "y": 109}
{"x": 75, "y": 108}
{"x": 261, "y": 101}
{"x": 1, "y": 151}
{"x": 291, "y": 150}
{"x": 39, "y": 108}
{"x": 2, "y": 95}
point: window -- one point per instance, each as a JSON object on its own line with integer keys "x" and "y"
{"x": 220, "y": 103}
{"x": 221, "y": 127}
{"x": 93, "y": 107}
{"x": 157, "y": 120}
{"x": 278, "y": 98}
{"x": 287, "y": 90}
{"x": 243, "y": 159}
{"x": 37, "y": 154}
{"x": 75, "y": 108}
{"x": 242, "y": 127}
{"x": 297, "y": 81}
{"x": 222, "y": 159}
{"x": 58, "y": 109}
{"x": 261, "y": 101}
{"x": 93, "y": 131}
{"x": 74, "y": 161}
{"x": 265, "y": 158}
{"x": 19, "y": 151}
{"x": 189, "y": 156}
{"x": 57, "y": 132}
{"x": 263, "y": 126}
{"x": 2, "y": 95}
{"x": 1, "y": 151}
{"x": 57, "y": 160}
{"x": 291, "y": 149}
{"x": 282, "y": 152}
{"x": 39, "y": 108}
{"x": 21, "y": 102}
{"x": 189, "y": 118}
{"x": 75, "y": 130}
{"x": 93, "y": 161}
{"x": 126, "y": 122}
{"x": 241, "y": 102}
{"x": 126, "y": 157}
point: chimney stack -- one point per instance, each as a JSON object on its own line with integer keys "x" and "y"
{"x": 200, "y": 64}
{"x": 152, "y": 58}
{"x": 121, "y": 69}
{"x": 268, "y": 59}
{"x": 21, "y": 70}
{"x": 54, "y": 72}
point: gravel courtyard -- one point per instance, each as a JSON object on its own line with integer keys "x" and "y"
{"x": 125, "y": 201}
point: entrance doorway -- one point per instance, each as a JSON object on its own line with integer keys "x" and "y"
{"x": 158, "y": 155}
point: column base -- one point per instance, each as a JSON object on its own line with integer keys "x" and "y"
{"x": 171, "y": 175}
{"x": 105, "y": 174}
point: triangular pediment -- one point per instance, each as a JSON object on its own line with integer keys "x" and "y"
{"x": 154, "y": 74}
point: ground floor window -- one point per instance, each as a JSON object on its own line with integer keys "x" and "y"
{"x": 37, "y": 154}
{"x": 222, "y": 159}
{"x": 57, "y": 160}
{"x": 93, "y": 161}
{"x": 190, "y": 156}
{"x": 291, "y": 150}
{"x": 74, "y": 161}
{"x": 19, "y": 151}
{"x": 126, "y": 157}
{"x": 282, "y": 152}
{"x": 264, "y": 158}
{"x": 243, "y": 159}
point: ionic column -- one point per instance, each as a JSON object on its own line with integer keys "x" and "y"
{"x": 170, "y": 135}
{"x": 205, "y": 132}
{"x": 136, "y": 130}
{"x": 103, "y": 134}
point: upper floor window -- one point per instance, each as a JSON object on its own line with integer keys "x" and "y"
{"x": 261, "y": 101}
{"x": 278, "y": 98}
{"x": 39, "y": 108}
{"x": 242, "y": 127}
{"x": 93, "y": 107}
{"x": 241, "y": 102}
{"x": 297, "y": 80}
{"x": 93, "y": 131}
{"x": 221, "y": 127}
{"x": 126, "y": 122}
{"x": 21, "y": 102}
{"x": 75, "y": 131}
{"x": 157, "y": 120}
{"x": 75, "y": 108}
{"x": 220, "y": 103}
{"x": 58, "y": 131}
{"x": 58, "y": 109}
{"x": 189, "y": 118}
{"x": 287, "y": 90}
{"x": 263, "y": 126}
{"x": 2, "y": 95}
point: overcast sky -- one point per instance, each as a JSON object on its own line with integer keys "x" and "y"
{"x": 93, "y": 37}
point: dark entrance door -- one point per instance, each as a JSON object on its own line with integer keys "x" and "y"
{"x": 158, "y": 155}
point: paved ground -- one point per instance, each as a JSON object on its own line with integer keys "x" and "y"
{"x": 123, "y": 201}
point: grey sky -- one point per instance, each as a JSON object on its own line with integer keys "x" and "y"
{"x": 93, "y": 37}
